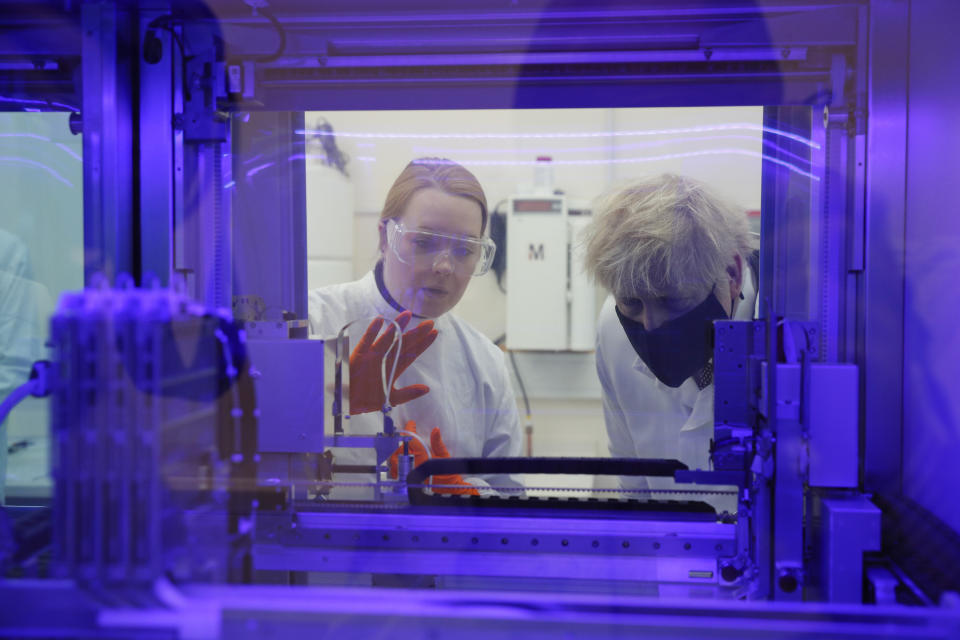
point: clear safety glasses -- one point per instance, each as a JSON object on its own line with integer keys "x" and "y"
{"x": 422, "y": 249}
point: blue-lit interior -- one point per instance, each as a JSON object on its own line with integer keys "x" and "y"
{"x": 194, "y": 241}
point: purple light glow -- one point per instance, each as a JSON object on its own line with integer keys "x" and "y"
{"x": 560, "y": 135}
{"x": 70, "y": 152}
{"x": 21, "y": 100}
{"x": 39, "y": 102}
{"x": 613, "y": 147}
{"x": 259, "y": 168}
{"x": 307, "y": 156}
{"x": 39, "y": 165}
{"x": 34, "y": 136}
{"x": 634, "y": 160}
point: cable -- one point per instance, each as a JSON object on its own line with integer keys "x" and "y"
{"x": 153, "y": 48}
{"x": 790, "y": 353}
{"x": 282, "y": 44}
{"x": 528, "y": 427}
{"x": 38, "y": 385}
{"x": 15, "y": 398}
{"x": 523, "y": 390}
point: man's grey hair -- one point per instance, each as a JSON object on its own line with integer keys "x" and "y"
{"x": 667, "y": 236}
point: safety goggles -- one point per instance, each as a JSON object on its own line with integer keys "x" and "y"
{"x": 423, "y": 249}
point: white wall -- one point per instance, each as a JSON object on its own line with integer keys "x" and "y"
{"x": 330, "y": 223}
{"x": 592, "y": 149}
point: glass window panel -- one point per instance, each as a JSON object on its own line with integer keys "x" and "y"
{"x": 41, "y": 255}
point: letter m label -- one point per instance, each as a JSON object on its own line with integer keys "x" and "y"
{"x": 536, "y": 252}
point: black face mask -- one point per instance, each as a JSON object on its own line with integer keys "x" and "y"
{"x": 677, "y": 349}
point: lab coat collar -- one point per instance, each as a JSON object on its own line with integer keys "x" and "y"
{"x": 702, "y": 413}
{"x": 372, "y": 293}
{"x": 383, "y": 308}
{"x": 382, "y": 288}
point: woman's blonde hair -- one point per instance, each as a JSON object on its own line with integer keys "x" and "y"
{"x": 668, "y": 236}
{"x": 436, "y": 173}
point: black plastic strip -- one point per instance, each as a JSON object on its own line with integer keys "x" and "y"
{"x": 555, "y": 466}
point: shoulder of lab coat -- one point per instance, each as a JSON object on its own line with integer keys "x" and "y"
{"x": 643, "y": 417}
{"x": 333, "y": 306}
{"x": 485, "y": 364}
{"x": 21, "y": 298}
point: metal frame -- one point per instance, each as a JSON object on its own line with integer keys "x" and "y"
{"x": 791, "y": 228}
{"x": 880, "y": 347}
{"x": 108, "y": 178}
{"x": 159, "y": 86}
{"x": 805, "y": 221}
{"x": 206, "y": 216}
{"x": 57, "y": 608}
{"x": 515, "y": 546}
{"x": 270, "y": 225}
{"x": 848, "y": 308}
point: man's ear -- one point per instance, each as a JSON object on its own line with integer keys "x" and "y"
{"x": 735, "y": 272}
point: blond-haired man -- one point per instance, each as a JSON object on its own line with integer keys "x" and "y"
{"x": 674, "y": 257}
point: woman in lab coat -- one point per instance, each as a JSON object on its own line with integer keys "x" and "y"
{"x": 432, "y": 242}
{"x": 675, "y": 257}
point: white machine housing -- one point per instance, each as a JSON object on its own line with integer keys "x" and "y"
{"x": 551, "y": 304}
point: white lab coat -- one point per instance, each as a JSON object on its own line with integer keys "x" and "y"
{"x": 21, "y": 339}
{"x": 647, "y": 419}
{"x": 470, "y": 399}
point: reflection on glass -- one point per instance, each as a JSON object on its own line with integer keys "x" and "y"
{"x": 431, "y": 237}
{"x": 41, "y": 255}
{"x": 532, "y": 289}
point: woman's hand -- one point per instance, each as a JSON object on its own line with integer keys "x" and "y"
{"x": 455, "y": 484}
{"x": 371, "y": 354}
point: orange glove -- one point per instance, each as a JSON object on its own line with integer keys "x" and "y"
{"x": 415, "y": 447}
{"x": 439, "y": 451}
{"x": 366, "y": 384}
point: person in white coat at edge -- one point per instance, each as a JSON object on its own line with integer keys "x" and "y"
{"x": 431, "y": 244}
{"x": 675, "y": 257}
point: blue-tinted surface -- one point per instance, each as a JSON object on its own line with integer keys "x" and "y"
{"x": 931, "y": 420}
